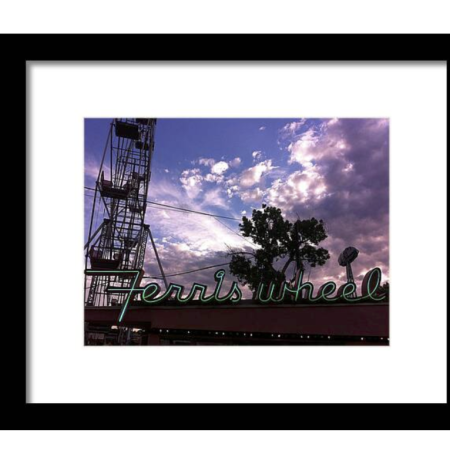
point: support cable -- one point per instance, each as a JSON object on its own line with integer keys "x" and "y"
{"x": 157, "y": 258}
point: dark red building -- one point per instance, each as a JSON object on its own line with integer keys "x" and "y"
{"x": 247, "y": 323}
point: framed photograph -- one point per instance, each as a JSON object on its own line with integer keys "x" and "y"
{"x": 266, "y": 276}
{"x": 258, "y": 234}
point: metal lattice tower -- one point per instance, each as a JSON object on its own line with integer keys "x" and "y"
{"x": 120, "y": 196}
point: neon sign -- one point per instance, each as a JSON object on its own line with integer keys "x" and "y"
{"x": 298, "y": 291}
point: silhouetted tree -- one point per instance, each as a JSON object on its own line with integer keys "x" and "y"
{"x": 277, "y": 239}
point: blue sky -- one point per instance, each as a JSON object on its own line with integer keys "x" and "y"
{"x": 334, "y": 169}
{"x": 182, "y": 142}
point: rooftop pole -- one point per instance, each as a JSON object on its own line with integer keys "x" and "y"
{"x": 157, "y": 259}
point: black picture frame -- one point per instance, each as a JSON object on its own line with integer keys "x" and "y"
{"x": 18, "y": 50}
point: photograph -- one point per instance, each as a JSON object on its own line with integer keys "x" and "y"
{"x": 252, "y": 231}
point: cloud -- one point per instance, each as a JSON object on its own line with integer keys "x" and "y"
{"x": 336, "y": 170}
{"x": 341, "y": 175}
{"x": 232, "y": 190}
{"x": 257, "y": 155}
{"x": 91, "y": 169}
{"x": 290, "y": 129}
{"x": 214, "y": 197}
{"x": 211, "y": 178}
{"x": 206, "y": 161}
{"x": 191, "y": 181}
{"x": 202, "y": 233}
{"x": 301, "y": 187}
{"x": 190, "y": 241}
{"x": 236, "y": 162}
{"x": 262, "y": 128}
{"x": 219, "y": 168}
{"x": 252, "y": 176}
{"x": 253, "y": 195}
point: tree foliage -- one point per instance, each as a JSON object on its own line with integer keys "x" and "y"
{"x": 277, "y": 239}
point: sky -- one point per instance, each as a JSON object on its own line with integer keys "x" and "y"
{"x": 331, "y": 169}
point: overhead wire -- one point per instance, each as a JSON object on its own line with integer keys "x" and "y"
{"x": 179, "y": 208}
{"x": 163, "y": 207}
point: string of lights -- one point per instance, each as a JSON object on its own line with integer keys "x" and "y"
{"x": 306, "y": 338}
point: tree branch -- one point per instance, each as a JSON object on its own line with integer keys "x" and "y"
{"x": 287, "y": 265}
